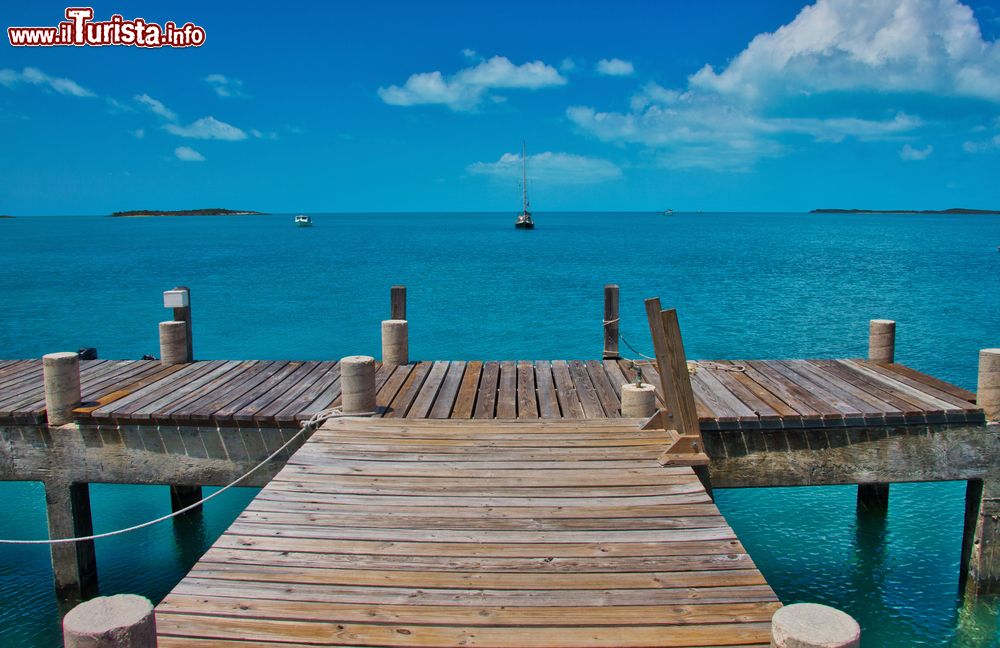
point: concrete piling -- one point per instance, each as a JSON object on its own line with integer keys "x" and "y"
{"x": 810, "y": 625}
{"x": 988, "y": 389}
{"x": 173, "y": 343}
{"x": 119, "y": 621}
{"x": 395, "y": 342}
{"x": 74, "y": 564}
{"x": 62, "y": 386}
{"x": 882, "y": 340}
{"x": 179, "y": 299}
{"x": 357, "y": 381}
{"x": 638, "y": 401}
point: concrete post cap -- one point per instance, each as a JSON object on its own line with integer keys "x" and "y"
{"x": 60, "y": 357}
{"x": 811, "y": 625}
{"x": 394, "y": 322}
{"x": 108, "y": 617}
{"x": 357, "y": 360}
{"x": 883, "y": 321}
{"x": 644, "y": 387}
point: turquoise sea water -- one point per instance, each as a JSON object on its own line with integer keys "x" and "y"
{"x": 745, "y": 285}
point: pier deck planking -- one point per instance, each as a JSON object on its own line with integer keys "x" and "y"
{"x": 769, "y": 394}
{"x": 481, "y": 533}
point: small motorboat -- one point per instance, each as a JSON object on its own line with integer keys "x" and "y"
{"x": 524, "y": 218}
{"x": 668, "y": 212}
{"x": 303, "y": 221}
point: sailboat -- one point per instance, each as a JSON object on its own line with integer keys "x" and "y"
{"x": 524, "y": 218}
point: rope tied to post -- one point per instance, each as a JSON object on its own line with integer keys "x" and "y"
{"x": 311, "y": 424}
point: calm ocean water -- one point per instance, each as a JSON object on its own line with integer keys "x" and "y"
{"x": 745, "y": 285}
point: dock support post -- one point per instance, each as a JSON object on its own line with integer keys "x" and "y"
{"x": 611, "y": 322}
{"x": 173, "y": 343}
{"x": 980, "y": 562}
{"x": 638, "y": 401}
{"x": 395, "y": 342}
{"x": 357, "y": 382}
{"x": 74, "y": 564}
{"x": 61, "y": 375}
{"x": 810, "y": 625}
{"x": 182, "y": 497}
{"x": 397, "y": 303}
{"x": 988, "y": 389}
{"x": 119, "y": 621}
{"x": 874, "y": 497}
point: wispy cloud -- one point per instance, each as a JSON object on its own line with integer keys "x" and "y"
{"x": 551, "y": 168}
{"x": 208, "y": 128}
{"x": 615, "y": 67}
{"x": 225, "y": 86}
{"x": 468, "y": 87}
{"x": 156, "y": 107}
{"x": 34, "y": 76}
{"x": 914, "y": 154}
{"x": 188, "y": 154}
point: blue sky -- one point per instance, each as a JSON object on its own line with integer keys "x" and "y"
{"x": 386, "y": 106}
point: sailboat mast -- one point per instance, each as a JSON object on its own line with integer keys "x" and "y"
{"x": 524, "y": 177}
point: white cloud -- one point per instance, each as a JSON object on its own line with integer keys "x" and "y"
{"x": 551, "y": 168}
{"x": 139, "y": 133}
{"x": 881, "y": 45}
{"x": 770, "y": 93}
{"x": 207, "y": 128}
{"x": 188, "y": 154}
{"x": 913, "y": 154}
{"x": 467, "y": 88}
{"x": 225, "y": 86}
{"x": 269, "y": 135}
{"x": 34, "y": 76}
{"x": 156, "y": 107}
{"x": 567, "y": 65}
{"x": 470, "y": 54}
{"x": 615, "y": 67}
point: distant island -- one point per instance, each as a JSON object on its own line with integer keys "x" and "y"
{"x": 953, "y": 210}
{"x": 5, "y": 216}
{"x": 212, "y": 211}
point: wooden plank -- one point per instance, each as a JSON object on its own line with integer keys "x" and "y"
{"x": 385, "y": 395}
{"x": 813, "y": 410}
{"x": 325, "y": 386}
{"x": 569, "y": 401}
{"x": 507, "y": 391}
{"x": 202, "y": 410}
{"x": 400, "y": 405}
{"x": 448, "y": 393}
{"x": 487, "y": 398}
{"x": 152, "y": 391}
{"x": 270, "y": 390}
{"x": 610, "y": 401}
{"x": 527, "y": 400}
{"x": 428, "y": 393}
{"x": 548, "y": 401}
{"x": 161, "y": 409}
{"x": 956, "y": 402}
{"x": 466, "y": 401}
{"x": 911, "y": 406}
{"x": 272, "y": 377}
{"x": 585, "y": 390}
{"x": 122, "y": 391}
{"x": 931, "y": 381}
{"x": 615, "y": 376}
{"x": 727, "y": 376}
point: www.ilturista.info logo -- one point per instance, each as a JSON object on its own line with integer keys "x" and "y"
{"x": 79, "y": 30}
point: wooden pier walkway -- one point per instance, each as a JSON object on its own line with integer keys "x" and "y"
{"x": 729, "y": 394}
{"x": 475, "y": 533}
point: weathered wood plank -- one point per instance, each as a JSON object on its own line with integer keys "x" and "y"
{"x": 527, "y": 401}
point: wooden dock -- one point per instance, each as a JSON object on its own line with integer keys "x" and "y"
{"x": 729, "y": 394}
{"x": 475, "y": 533}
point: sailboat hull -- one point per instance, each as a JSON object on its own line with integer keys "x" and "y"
{"x": 524, "y": 226}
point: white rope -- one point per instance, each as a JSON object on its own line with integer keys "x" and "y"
{"x": 314, "y": 421}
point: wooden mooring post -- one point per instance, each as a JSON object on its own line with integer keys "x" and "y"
{"x": 611, "y": 322}
{"x": 397, "y": 303}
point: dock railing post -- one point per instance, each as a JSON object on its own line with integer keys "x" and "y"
{"x": 611, "y": 322}
{"x": 119, "y": 621}
{"x": 810, "y": 625}
{"x": 874, "y": 497}
{"x": 397, "y": 303}
{"x": 61, "y": 375}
